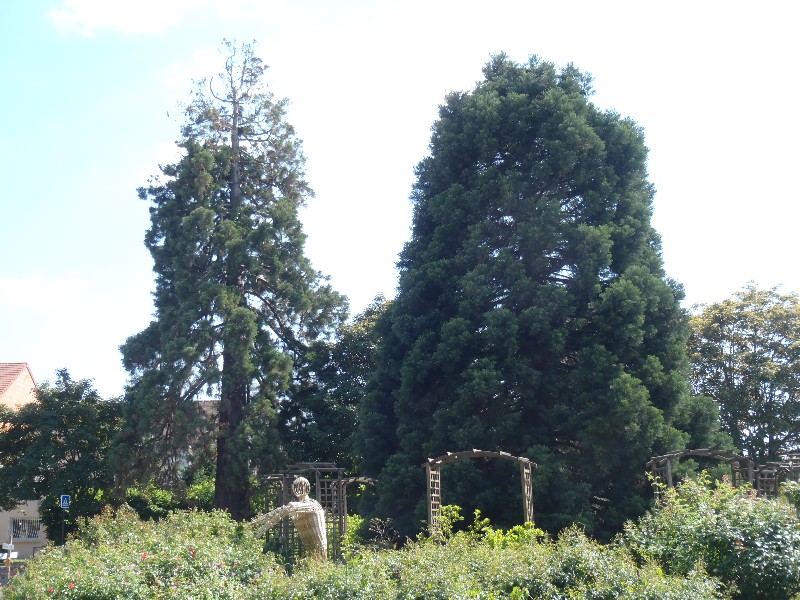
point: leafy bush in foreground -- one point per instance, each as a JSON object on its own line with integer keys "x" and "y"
{"x": 790, "y": 492}
{"x": 189, "y": 554}
{"x": 752, "y": 545}
{"x": 196, "y": 555}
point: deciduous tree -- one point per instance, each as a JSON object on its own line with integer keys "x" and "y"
{"x": 56, "y": 445}
{"x": 746, "y": 355}
{"x": 237, "y": 303}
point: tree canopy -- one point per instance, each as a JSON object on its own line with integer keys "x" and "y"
{"x": 57, "y": 445}
{"x": 329, "y": 395}
{"x": 746, "y": 355}
{"x": 533, "y": 314}
{"x": 237, "y": 303}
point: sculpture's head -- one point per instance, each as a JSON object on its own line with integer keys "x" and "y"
{"x": 301, "y": 487}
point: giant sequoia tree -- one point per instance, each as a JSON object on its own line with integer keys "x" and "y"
{"x": 237, "y": 303}
{"x": 533, "y": 314}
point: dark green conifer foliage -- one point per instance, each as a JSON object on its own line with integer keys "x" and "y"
{"x": 533, "y": 314}
{"x": 237, "y": 303}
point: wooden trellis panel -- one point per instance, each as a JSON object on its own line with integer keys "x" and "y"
{"x": 768, "y": 482}
{"x": 765, "y": 479}
{"x": 526, "y": 475}
{"x": 330, "y": 492}
{"x": 434, "y": 495}
{"x": 332, "y": 497}
{"x": 283, "y": 537}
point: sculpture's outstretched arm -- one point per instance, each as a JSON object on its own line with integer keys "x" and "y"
{"x": 272, "y": 518}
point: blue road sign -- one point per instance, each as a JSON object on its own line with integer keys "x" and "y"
{"x": 64, "y": 501}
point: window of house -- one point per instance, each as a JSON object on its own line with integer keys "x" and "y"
{"x": 25, "y": 529}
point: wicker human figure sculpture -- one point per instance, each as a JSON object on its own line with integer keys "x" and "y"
{"x": 308, "y": 517}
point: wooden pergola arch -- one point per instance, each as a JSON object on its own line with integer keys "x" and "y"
{"x": 742, "y": 469}
{"x": 765, "y": 479}
{"x": 433, "y": 470}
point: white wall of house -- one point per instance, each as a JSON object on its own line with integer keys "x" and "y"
{"x": 24, "y": 525}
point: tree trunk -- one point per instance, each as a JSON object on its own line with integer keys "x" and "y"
{"x": 232, "y": 481}
{"x": 231, "y": 489}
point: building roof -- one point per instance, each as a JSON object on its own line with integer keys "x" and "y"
{"x": 9, "y": 373}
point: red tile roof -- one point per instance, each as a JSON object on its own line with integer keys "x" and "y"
{"x": 9, "y": 373}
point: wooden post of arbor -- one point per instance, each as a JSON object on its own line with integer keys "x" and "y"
{"x": 526, "y": 475}
{"x": 434, "y": 476}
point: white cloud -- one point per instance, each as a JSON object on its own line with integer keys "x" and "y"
{"x": 36, "y": 290}
{"x": 86, "y": 17}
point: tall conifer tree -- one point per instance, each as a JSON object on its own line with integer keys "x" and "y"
{"x": 237, "y": 303}
{"x": 533, "y": 314}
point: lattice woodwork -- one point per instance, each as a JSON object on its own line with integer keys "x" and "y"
{"x": 434, "y": 497}
{"x": 741, "y": 475}
{"x": 765, "y": 479}
{"x": 283, "y": 538}
{"x": 768, "y": 482}
{"x": 526, "y": 475}
{"x": 333, "y": 498}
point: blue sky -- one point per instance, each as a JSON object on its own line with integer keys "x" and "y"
{"x": 90, "y": 107}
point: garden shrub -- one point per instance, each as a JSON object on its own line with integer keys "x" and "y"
{"x": 152, "y": 502}
{"x": 790, "y": 492}
{"x": 198, "y": 555}
{"x": 355, "y": 536}
{"x": 187, "y": 554}
{"x": 200, "y": 494}
{"x": 751, "y": 544}
{"x": 522, "y": 566}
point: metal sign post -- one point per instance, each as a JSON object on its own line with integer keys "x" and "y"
{"x": 65, "y": 505}
{"x": 8, "y": 555}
